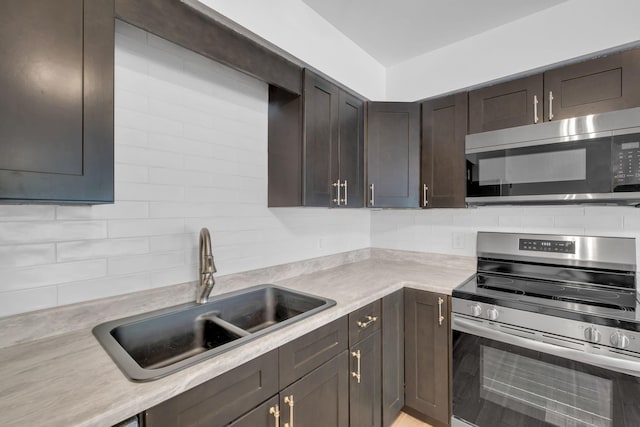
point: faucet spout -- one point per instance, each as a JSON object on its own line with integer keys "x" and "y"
{"x": 207, "y": 267}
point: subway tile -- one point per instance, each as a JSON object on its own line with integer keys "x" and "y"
{"x": 144, "y": 227}
{"x": 51, "y": 231}
{"x": 142, "y": 263}
{"x": 90, "y": 249}
{"x": 148, "y": 157}
{"x": 26, "y": 213}
{"x": 84, "y": 290}
{"x": 183, "y": 177}
{"x": 150, "y": 192}
{"x": 173, "y": 242}
{"x": 27, "y": 255}
{"x": 130, "y": 173}
{"x": 15, "y": 302}
{"x": 51, "y": 274}
{"x": 120, "y": 209}
{"x": 131, "y": 100}
{"x": 128, "y": 136}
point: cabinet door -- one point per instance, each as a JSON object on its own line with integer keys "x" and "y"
{"x": 321, "y": 104}
{"x": 514, "y": 103}
{"x": 392, "y": 356}
{"x": 351, "y": 150}
{"x": 56, "y": 110}
{"x": 427, "y": 356}
{"x": 365, "y": 388}
{"x": 444, "y": 126}
{"x": 393, "y": 141}
{"x": 262, "y": 416}
{"x": 596, "y": 86}
{"x": 222, "y": 399}
{"x": 319, "y": 399}
{"x": 302, "y": 355}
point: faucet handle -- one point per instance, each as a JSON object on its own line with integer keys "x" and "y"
{"x": 209, "y": 265}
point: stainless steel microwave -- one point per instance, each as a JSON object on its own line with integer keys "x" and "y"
{"x": 589, "y": 159}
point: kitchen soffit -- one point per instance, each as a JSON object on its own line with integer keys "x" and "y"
{"x": 395, "y": 31}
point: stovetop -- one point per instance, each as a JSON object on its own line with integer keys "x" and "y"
{"x": 598, "y": 305}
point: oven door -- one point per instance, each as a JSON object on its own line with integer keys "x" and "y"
{"x": 560, "y": 169}
{"x": 502, "y": 380}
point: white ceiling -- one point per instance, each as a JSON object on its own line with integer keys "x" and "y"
{"x": 393, "y": 31}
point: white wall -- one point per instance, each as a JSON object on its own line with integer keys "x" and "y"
{"x": 191, "y": 151}
{"x": 569, "y": 30}
{"x": 302, "y": 32}
{"x": 453, "y": 231}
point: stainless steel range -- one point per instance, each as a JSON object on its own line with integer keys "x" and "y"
{"x": 548, "y": 333}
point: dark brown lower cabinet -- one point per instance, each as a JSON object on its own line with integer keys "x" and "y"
{"x": 366, "y": 388}
{"x": 262, "y": 416}
{"x": 222, "y": 399}
{"x": 427, "y": 368}
{"x": 320, "y": 398}
{"x": 392, "y": 356}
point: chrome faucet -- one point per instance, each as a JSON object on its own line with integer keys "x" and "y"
{"x": 207, "y": 267}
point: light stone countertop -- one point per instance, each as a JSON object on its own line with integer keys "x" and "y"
{"x": 69, "y": 380}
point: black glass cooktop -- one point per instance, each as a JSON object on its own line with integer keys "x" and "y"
{"x": 617, "y": 307}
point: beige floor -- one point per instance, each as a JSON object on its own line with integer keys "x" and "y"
{"x": 405, "y": 420}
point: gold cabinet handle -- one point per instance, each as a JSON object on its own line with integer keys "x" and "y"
{"x": 370, "y": 320}
{"x": 425, "y": 189}
{"x": 275, "y": 411}
{"x": 550, "y": 105}
{"x": 289, "y": 400}
{"x": 337, "y": 186}
{"x": 345, "y": 201}
{"x": 356, "y": 375}
{"x": 535, "y": 109}
{"x": 440, "y": 316}
{"x": 372, "y": 201}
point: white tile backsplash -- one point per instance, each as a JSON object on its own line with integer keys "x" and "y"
{"x": 191, "y": 152}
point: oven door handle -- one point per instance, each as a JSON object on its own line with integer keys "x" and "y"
{"x": 624, "y": 366}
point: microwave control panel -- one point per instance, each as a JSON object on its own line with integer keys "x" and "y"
{"x": 626, "y": 162}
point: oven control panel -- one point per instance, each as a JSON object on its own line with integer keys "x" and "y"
{"x": 626, "y": 163}
{"x": 556, "y": 246}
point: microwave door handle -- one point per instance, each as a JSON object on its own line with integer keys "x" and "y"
{"x": 628, "y": 367}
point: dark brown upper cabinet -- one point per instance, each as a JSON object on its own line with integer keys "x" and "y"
{"x": 333, "y": 145}
{"x": 316, "y": 146}
{"x": 596, "y": 86}
{"x": 513, "y": 103}
{"x": 56, "y": 110}
{"x": 393, "y": 141}
{"x": 444, "y": 126}
{"x": 427, "y": 355}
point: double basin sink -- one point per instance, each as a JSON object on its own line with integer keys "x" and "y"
{"x": 152, "y": 345}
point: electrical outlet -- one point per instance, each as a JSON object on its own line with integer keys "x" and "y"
{"x": 457, "y": 241}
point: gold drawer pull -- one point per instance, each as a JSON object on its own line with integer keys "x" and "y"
{"x": 356, "y": 375}
{"x": 370, "y": 320}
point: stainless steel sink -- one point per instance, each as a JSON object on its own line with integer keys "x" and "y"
{"x": 152, "y": 345}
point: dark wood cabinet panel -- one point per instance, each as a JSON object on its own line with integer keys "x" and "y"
{"x": 365, "y": 388}
{"x": 285, "y": 148}
{"x": 351, "y": 150}
{"x": 260, "y": 416}
{"x": 56, "y": 126}
{"x": 364, "y": 321}
{"x": 181, "y": 24}
{"x": 596, "y": 86}
{"x": 321, "y": 104}
{"x": 427, "y": 356}
{"x": 319, "y": 399}
{"x": 302, "y": 355}
{"x": 444, "y": 126}
{"x": 508, "y": 104}
{"x": 393, "y": 143}
{"x": 392, "y": 356}
{"x": 222, "y": 399}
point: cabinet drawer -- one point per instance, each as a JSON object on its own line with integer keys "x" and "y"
{"x": 364, "y": 322}
{"x": 221, "y": 400}
{"x": 306, "y": 353}
{"x": 259, "y": 417}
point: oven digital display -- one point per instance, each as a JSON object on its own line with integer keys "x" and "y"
{"x": 557, "y": 246}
